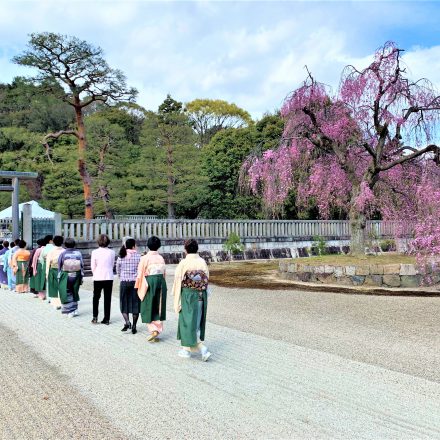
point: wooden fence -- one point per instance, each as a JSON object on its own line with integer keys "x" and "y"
{"x": 89, "y": 230}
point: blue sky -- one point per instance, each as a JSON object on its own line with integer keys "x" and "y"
{"x": 250, "y": 53}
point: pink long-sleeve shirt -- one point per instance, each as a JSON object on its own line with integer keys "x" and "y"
{"x": 102, "y": 264}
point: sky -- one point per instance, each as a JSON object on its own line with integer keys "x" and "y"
{"x": 252, "y": 53}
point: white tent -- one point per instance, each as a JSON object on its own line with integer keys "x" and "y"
{"x": 37, "y": 211}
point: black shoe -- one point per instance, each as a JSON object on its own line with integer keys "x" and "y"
{"x": 95, "y": 321}
{"x": 126, "y": 327}
{"x": 133, "y": 330}
{"x": 105, "y": 321}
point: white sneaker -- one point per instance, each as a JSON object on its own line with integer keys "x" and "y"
{"x": 184, "y": 354}
{"x": 70, "y": 315}
{"x": 75, "y": 313}
{"x": 205, "y": 354}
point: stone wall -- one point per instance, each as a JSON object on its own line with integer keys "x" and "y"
{"x": 387, "y": 275}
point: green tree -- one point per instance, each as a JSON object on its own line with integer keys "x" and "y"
{"x": 85, "y": 78}
{"x": 221, "y": 163}
{"x": 208, "y": 116}
{"x": 108, "y": 163}
{"x": 27, "y": 105}
{"x": 168, "y": 171}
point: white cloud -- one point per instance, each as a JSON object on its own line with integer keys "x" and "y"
{"x": 251, "y": 53}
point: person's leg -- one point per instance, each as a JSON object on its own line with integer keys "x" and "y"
{"x": 200, "y": 347}
{"x": 108, "y": 286}
{"x": 97, "y": 287}
{"x": 124, "y": 290}
{"x": 9, "y": 275}
{"x": 135, "y": 320}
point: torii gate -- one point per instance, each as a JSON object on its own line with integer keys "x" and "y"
{"x": 15, "y": 177}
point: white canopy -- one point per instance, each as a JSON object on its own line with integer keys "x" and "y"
{"x": 37, "y": 211}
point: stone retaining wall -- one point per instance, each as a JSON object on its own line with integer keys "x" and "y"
{"x": 388, "y": 275}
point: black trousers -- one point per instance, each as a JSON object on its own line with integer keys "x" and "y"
{"x": 98, "y": 286}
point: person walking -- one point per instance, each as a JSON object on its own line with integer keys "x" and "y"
{"x": 191, "y": 301}
{"x": 152, "y": 289}
{"x": 32, "y": 273}
{"x": 8, "y": 262}
{"x": 52, "y": 271}
{"x": 20, "y": 264}
{"x": 70, "y": 275}
{"x": 126, "y": 269}
{"x": 41, "y": 281}
{"x": 3, "y": 268}
{"x": 102, "y": 264}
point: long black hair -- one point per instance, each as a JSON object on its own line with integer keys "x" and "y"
{"x": 129, "y": 244}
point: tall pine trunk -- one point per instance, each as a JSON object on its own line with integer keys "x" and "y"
{"x": 82, "y": 165}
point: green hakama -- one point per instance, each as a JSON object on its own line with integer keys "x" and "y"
{"x": 52, "y": 283}
{"x": 153, "y": 306}
{"x": 32, "y": 282}
{"x": 22, "y": 275}
{"x": 40, "y": 278}
{"x": 189, "y": 318}
{"x": 62, "y": 286}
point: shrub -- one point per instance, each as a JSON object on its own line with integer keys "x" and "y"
{"x": 233, "y": 245}
{"x": 320, "y": 245}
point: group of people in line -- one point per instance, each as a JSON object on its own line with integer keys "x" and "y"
{"x": 54, "y": 271}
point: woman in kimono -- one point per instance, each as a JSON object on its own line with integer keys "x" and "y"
{"x": 20, "y": 263}
{"x": 7, "y": 261}
{"x": 3, "y": 269}
{"x": 70, "y": 275}
{"x": 32, "y": 273}
{"x": 40, "y": 264}
{"x": 152, "y": 289}
{"x": 126, "y": 268}
{"x": 52, "y": 271}
{"x": 191, "y": 301}
{"x": 39, "y": 271}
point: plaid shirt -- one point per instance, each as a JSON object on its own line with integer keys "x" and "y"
{"x": 127, "y": 267}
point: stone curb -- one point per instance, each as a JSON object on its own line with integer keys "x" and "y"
{"x": 359, "y": 290}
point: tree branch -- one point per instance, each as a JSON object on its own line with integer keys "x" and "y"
{"x": 418, "y": 153}
{"x": 56, "y": 135}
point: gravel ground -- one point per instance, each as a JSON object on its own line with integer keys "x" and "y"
{"x": 398, "y": 333}
{"x": 285, "y": 365}
{"x": 36, "y": 401}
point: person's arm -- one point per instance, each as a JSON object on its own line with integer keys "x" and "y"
{"x": 140, "y": 272}
{"x": 93, "y": 262}
{"x": 118, "y": 266}
{"x": 206, "y": 268}
{"x": 113, "y": 256}
{"x": 14, "y": 264}
{"x": 177, "y": 286}
{"x": 5, "y": 262}
{"x": 48, "y": 261}
{"x": 61, "y": 262}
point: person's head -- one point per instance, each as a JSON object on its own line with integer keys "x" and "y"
{"x": 69, "y": 243}
{"x": 130, "y": 243}
{"x": 48, "y": 239}
{"x": 191, "y": 246}
{"x": 153, "y": 243}
{"x": 103, "y": 241}
{"x": 17, "y": 241}
{"x": 40, "y": 242}
{"x": 22, "y": 244}
{"x": 5, "y": 244}
{"x": 58, "y": 240}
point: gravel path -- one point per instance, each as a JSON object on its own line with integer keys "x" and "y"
{"x": 260, "y": 383}
{"x": 36, "y": 401}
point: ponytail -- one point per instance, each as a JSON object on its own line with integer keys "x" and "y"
{"x": 123, "y": 252}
